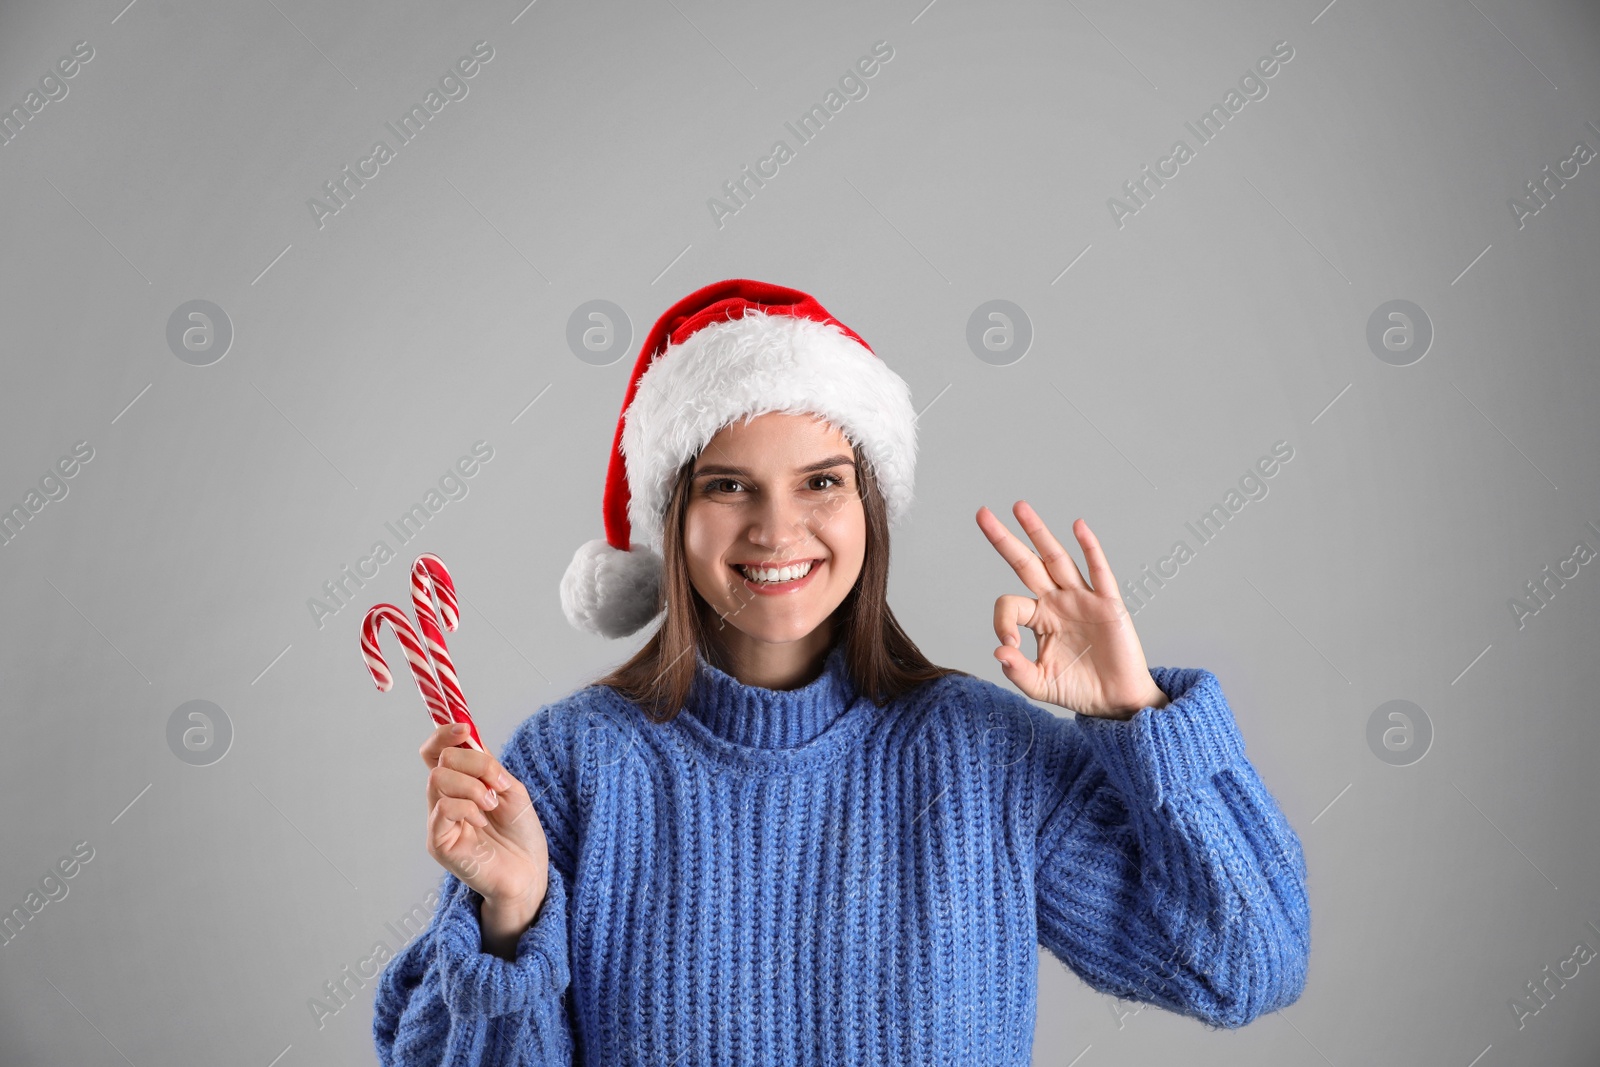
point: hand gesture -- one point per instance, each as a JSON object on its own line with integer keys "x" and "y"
{"x": 1089, "y": 658}
{"x": 482, "y": 827}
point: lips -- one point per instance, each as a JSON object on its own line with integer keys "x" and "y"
{"x": 781, "y": 588}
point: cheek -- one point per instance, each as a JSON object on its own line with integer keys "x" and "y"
{"x": 703, "y": 545}
{"x": 845, "y": 533}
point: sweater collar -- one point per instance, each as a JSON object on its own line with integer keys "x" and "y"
{"x": 771, "y": 720}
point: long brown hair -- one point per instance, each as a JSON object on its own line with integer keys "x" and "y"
{"x": 882, "y": 660}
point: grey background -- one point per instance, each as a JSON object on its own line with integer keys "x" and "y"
{"x": 369, "y": 354}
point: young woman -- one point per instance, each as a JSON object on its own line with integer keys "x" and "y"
{"x": 778, "y": 834}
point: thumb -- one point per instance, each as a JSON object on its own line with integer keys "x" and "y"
{"x": 1022, "y": 671}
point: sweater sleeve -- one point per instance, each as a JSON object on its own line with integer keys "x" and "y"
{"x": 443, "y": 999}
{"x": 1166, "y": 872}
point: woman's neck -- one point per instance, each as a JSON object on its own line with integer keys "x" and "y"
{"x": 769, "y": 665}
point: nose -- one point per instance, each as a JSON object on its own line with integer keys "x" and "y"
{"x": 779, "y": 525}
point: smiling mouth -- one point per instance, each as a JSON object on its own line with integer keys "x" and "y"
{"x": 765, "y": 575}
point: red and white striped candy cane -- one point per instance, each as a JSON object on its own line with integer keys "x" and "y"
{"x": 430, "y": 581}
{"x": 416, "y": 654}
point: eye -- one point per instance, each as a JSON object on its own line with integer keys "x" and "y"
{"x": 714, "y": 485}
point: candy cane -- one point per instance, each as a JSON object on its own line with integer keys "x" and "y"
{"x": 430, "y": 581}
{"x": 416, "y": 655}
{"x": 415, "y": 652}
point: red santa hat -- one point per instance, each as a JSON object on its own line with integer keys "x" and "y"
{"x": 734, "y": 348}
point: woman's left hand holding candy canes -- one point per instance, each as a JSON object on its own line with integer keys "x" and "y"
{"x": 482, "y": 828}
{"x": 1089, "y": 657}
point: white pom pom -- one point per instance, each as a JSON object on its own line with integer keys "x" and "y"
{"x": 609, "y": 592}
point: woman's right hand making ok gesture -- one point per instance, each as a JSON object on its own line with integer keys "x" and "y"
{"x": 482, "y": 828}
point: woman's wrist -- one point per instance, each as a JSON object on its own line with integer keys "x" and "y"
{"x": 503, "y": 923}
{"x": 1154, "y": 699}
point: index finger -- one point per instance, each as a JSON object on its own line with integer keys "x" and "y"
{"x": 441, "y": 739}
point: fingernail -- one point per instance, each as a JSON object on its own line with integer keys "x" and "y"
{"x": 459, "y": 728}
{"x": 504, "y": 782}
{"x": 491, "y": 800}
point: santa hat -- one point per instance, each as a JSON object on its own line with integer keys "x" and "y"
{"x": 731, "y": 349}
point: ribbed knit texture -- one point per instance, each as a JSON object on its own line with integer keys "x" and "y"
{"x": 802, "y": 877}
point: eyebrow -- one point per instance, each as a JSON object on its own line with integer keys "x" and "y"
{"x": 820, "y": 465}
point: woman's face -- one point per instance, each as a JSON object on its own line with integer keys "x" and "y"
{"x": 777, "y": 491}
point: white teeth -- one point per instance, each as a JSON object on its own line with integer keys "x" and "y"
{"x": 781, "y": 574}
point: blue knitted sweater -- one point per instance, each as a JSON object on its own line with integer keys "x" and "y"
{"x": 803, "y": 877}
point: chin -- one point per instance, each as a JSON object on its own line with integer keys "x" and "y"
{"x": 769, "y": 619}
{"x": 776, "y": 632}
{"x": 762, "y": 623}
